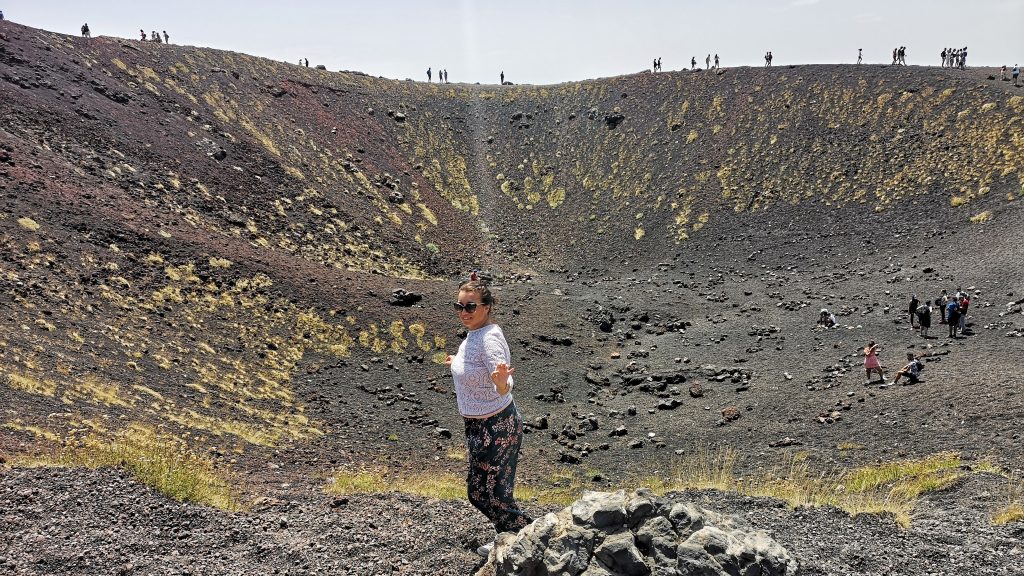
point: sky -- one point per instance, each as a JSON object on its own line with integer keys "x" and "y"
{"x": 552, "y": 41}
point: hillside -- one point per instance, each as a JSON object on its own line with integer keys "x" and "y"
{"x": 199, "y": 246}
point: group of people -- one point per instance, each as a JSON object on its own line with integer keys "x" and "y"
{"x": 954, "y": 57}
{"x": 768, "y": 58}
{"x": 1016, "y": 74}
{"x": 911, "y": 370}
{"x": 154, "y": 37}
{"x": 952, "y": 309}
{"x": 657, "y": 64}
{"x": 693, "y": 63}
{"x": 442, "y": 76}
{"x": 899, "y": 55}
{"x": 304, "y": 62}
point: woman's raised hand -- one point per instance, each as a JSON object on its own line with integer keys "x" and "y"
{"x": 500, "y": 377}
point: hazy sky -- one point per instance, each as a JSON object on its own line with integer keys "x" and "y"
{"x": 550, "y": 41}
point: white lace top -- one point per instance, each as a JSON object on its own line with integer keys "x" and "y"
{"x": 478, "y": 356}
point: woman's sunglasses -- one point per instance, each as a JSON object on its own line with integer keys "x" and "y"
{"x": 469, "y": 307}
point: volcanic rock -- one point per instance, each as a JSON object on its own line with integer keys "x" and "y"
{"x": 636, "y": 534}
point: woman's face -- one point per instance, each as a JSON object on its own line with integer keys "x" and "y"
{"x": 478, "y": 318}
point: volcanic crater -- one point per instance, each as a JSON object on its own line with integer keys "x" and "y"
{"x": 253, "y": 263}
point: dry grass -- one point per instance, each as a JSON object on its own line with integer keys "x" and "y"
{"x": 1013, "y": 511}
{"x": 981, "y": 217}
{"x": 890, "y": 488}
{"x": 160, "y": 461}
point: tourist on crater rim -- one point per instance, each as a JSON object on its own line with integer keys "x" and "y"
{"x": 428, "y": 74}
{"x": 716, "y": 61}
{"x": 502, "y": 77}
{"x": 142, "y": 33}
{"x": 1016, "y": 73}
{"x": 1002, "y": 73}
{"x": 483, "y": 381}
{"x": 895, "y": 56}
{"x": 1, "y": 15}
{"x": 912, "y": 369}
{"x": 693, "y": 63}
{"x": 860, "y": 55}
{"x": 659, "y": 64}
{"x": 85, "y": 31}
{"x": 167, "y": 39}
{"x": 871, "y": 362}
{"x": 707, "y": 62}
{"x": 924, "y": 318}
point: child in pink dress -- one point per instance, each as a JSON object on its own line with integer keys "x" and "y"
{"x": 871, "y": 362}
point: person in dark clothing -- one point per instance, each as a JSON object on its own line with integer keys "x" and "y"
{"x": 502, "y": 77}
{"x": 428, "y": 74}
{"x": 940, "y": 303}
{"x": 167, "y": 38}
{"x": 913, "y": 309}
{"x": 924, "y": 318}
{"x": 952, "y": 316}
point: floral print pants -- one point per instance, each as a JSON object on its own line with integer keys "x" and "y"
{"x": 493, "y": 446}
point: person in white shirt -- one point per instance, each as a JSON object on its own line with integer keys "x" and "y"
{"x": 483, "y": 378}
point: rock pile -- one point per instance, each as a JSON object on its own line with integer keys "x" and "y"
{"x": 606, "y": 534}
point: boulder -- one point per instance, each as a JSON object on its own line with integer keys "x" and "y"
{"x": 635, "y": 534}
{"x": 402, "y": 297}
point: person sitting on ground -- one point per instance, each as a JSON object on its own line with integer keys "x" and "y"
{"x": 1010, "y": 305}
{"x": 871, "y": 362}
{"x": 912, "y": 370}
{"x": 826, "y": 318}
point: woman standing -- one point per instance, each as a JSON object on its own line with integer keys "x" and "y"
{"x": 871, "y": 362}
{"x": 494, "y": 430}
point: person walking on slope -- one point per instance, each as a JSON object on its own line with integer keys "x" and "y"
{"x": 428, "y": 74}
{"x": 914, "y": 302}
{"x": 483, "y": 377}
{"x": 860, "y": 55}
{"x": 871, "y": 362}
